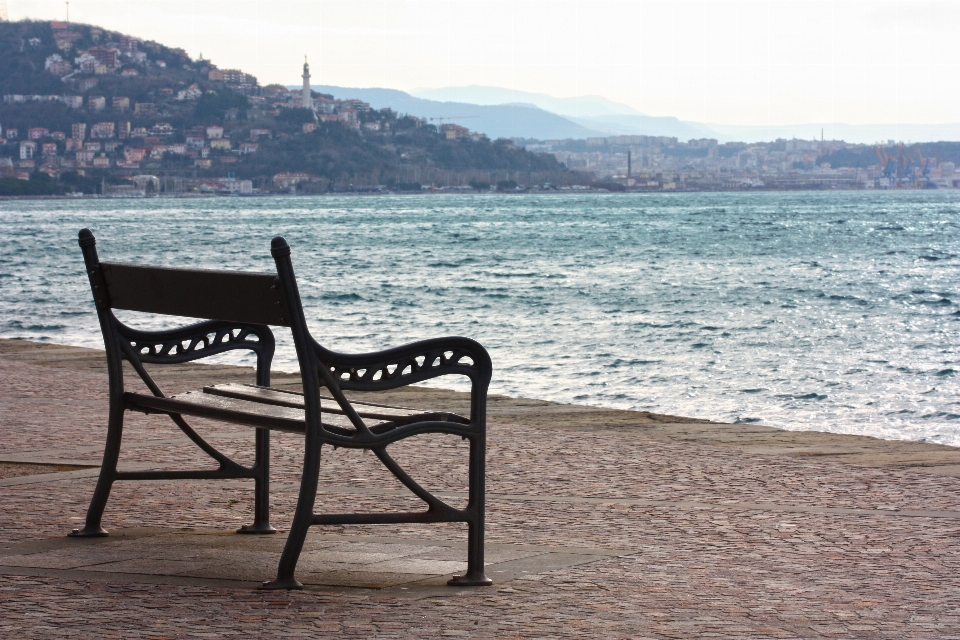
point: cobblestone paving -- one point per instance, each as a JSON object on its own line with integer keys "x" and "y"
{"x": 688, "y": 540}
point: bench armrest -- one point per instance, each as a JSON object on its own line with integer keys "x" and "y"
{"x": 198, "y": 341}
{"x": 408, "y": 364}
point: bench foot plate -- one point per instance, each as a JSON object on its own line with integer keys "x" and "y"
{"x": 255, "y": 529}
{"x": 278, "y": 584}
{"x": 478, "y": 579}
{"x": 87, "y": 532}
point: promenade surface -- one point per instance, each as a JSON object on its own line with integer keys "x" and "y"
{"x": 604, "y": 524}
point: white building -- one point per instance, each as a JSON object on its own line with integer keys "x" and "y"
{"x": 306, "y": 101}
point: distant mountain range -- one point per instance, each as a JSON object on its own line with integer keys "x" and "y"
{"x": 507, "y": 113}
{"x": 496, "y": 121}
{"x": 579, "y": 107}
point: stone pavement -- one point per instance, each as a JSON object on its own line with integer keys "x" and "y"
{"x": 605, "y": 524}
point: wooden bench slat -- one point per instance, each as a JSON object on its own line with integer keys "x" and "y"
{"x": 255, "y": 414}
{"x": 293, "y": 399}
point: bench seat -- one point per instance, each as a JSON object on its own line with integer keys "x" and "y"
{"x": 279, "y": 409}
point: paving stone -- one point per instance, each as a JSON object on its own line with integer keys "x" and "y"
{"x": 689, "y": 537}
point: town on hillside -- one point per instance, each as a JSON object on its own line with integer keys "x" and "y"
{"x": 87, "y": 110}
{"x": 90, "y": 111}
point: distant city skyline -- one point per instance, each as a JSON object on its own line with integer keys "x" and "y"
{"x": 747, "y": 64}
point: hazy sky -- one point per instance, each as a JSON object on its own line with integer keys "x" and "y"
{"x": 764, "y": 63}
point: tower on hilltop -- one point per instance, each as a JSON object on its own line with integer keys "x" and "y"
{"x": 307, "y": 99}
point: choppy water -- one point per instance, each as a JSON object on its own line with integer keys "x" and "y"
{"x": 835, "y": 311}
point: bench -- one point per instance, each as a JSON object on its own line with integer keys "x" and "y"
{"x": 238, "y": 309}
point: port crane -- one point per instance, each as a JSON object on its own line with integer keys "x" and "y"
{"x": 442, "y": 118}
{"x": 887, "y": 164}
{"x": 908, "y": 168}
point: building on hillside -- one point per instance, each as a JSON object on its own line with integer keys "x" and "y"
{"x": 454, "y": 131}
{"x": 96, "y": 103}
{"x": 64, "y": 39}
{"x": 57, "y": 66}
{"x": 102, "y": 130}
{"x": 28, "y": 149}
{"x": 192, "y": 92}
{"x": 215, "y": 132}
{"x": 324, "y": 105}
{"x": 121, "y": 103}
{"x": 144, "y": 108}
{"x": 128, "y": 44}
{"x": 195, "y": 141}
{"x": 220, "y": 143}
{"x": 104, "y": 56}
{"x": 286, "y": 180}
{"x": 48, "y": 149}
{"x": 237, "y": 79}
{"x": 36, "y": 133}
{"x": 123, "y": 129}
{"x": 162, "y": 129}
{"x": 86, "y": 63}
{"x": 356, "y": 105}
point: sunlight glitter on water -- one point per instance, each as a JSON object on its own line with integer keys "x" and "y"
{"x": 825, "y": 311}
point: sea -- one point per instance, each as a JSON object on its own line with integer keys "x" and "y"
{"x": 825, "y": 311}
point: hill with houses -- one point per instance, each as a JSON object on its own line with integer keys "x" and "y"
{"x": 89, "y": 110}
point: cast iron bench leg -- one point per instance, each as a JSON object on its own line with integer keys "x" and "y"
{"x": 261, "y": 510}
{"x": 108, "y": 470}
{"x": 302, "y": 518}
{"x": 475, "y": 576}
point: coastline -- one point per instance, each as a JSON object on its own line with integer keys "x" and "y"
{"x": 449, "y": 191}
{"x": 756, "y": 439}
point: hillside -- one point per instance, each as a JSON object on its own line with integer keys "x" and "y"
{"x": 91, "y": 109}
{"x": 496, "y": 121}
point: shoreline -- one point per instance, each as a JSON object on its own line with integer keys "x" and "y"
{"x": 858, "y": 450}
{"x": 450, "y": 191}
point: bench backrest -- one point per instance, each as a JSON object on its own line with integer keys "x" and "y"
{"x": 233, "y": 296}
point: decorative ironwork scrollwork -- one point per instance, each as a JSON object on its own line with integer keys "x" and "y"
{"x": 435, "y": 361}
{"x": 233, "y": 336}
